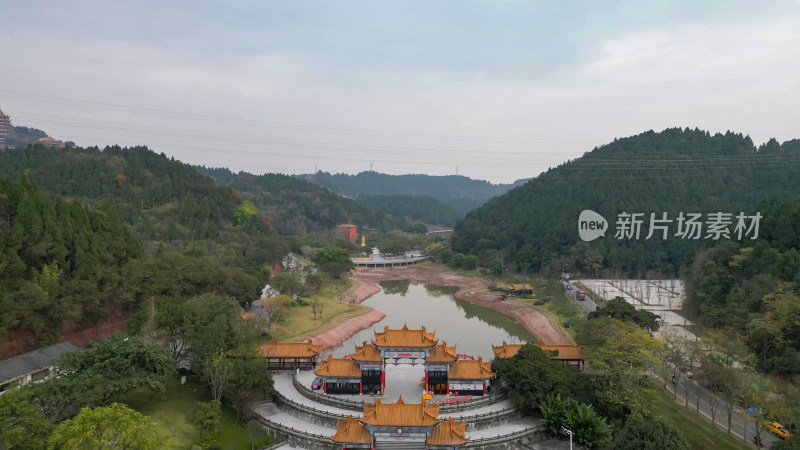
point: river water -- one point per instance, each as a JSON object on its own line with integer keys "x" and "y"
{"x": 473, "y": 329}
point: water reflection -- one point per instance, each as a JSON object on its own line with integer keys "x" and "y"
{"x": 396, "y": 287}
{"x": 473, "y": 328}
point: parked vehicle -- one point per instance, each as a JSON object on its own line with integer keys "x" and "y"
{"x": 581, "y": 295}
{"x": 777, "y": 429}
{"x": 316, "y": 384}
{"x": 569, "y": 287}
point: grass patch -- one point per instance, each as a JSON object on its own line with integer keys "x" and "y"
{"x": 172, "y": 413}
{"x": 559, "y": 304}
{"x": 299, "y": 321}
{"x": 700, "y": 433}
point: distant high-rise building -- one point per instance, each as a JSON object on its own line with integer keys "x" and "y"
{"x": 5, "y": 128}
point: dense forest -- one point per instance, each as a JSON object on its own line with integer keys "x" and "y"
{"x": 462, "y": 193}
{"x": 415, "y": 207}
{"x": 170, "y": 231}
{"x": 674, "y": 171}
{"x": 60, "y": 261}
{"x": 295, "y": 206}
{"x": 753, "y": 289}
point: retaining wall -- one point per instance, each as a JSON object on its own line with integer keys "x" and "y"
{"x": 328, "y": 419}
{"x": 295, "y": 437}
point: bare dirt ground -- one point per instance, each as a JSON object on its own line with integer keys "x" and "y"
{"x": 534, "y": 321}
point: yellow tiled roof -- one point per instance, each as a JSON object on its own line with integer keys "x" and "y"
{"x": 344, "y": 368}
{"x": 367, "y": 352}
{"x": 351, "y": 431}
{"x": 442, "y": 353}
{"x": 467, "y": 369}
{"x": 400, "y": 414}
{"x": 404, "y": 338}
{"x": 571, "y": 352}
{"x": 506, "y": 350}
{"x": 448, "y": 432}
{"x": 276, "y": 349}
{"x": 564, "y": 352}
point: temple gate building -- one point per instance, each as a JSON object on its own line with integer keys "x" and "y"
{"x": 364, "y": 372}
{"x": 417, "y": 424}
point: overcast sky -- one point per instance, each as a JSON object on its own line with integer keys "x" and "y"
{"x": 496, "y": 90}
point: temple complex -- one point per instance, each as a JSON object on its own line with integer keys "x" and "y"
{"x": 400, "y": 420}
{"x": 570, "y": 354}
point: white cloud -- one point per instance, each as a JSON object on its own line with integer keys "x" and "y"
{"x": 762, "y": 54}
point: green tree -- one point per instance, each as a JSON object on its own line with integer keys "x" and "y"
{"x": 115, "y": 366}
{"x": 207, "y": 417}
{"x": 433, "y": 250}
{"x": 244, "y": 213}
{"x": 531, "y": 376}
{"x": 470, "y": 262}
{"x": 624, "y": 311}
{"x": 622, "y": 358}
{"x": 251, "y": 382}
{"x": 288, "y": 283}
{"x": 22, "y": 426}
{"x": 218, "y": 372}
{"x": 649, "y": 434}
{"x": 108, "y": 428}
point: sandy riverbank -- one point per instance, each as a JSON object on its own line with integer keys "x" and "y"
{"x": 535, "y": 322}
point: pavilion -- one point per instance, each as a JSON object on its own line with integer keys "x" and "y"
{"x": 568, "y": 353}
{"x": 290, "y": 355}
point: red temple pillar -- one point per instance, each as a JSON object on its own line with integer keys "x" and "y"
{"x": 383, "y": 381}
{"x": 426, "y": 380}
{"x": 360, "y": 388}
{"x": 325, "y": 387}
{"x": 484, "y": 388}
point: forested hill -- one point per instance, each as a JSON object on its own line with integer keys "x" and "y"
{"x": 416, "y": 207}
{"x": 295, "y": 206}
{"x": 463, "y": 193}
{"x": 59, "y": 261}
{"x": 676, "y": 170}
{"x": 195, "y": 236}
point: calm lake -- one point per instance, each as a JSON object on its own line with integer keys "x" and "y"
{"x": 472, "y": 328}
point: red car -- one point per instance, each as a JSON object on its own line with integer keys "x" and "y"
{"x": 316, "y": 384}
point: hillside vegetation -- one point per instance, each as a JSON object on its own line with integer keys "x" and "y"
{"x": 295, "y": 206}
{"x": 123, "y": 225}
{"x": 462, "y": 193}
{"x": 415, "y": 207}
{"x": 676, "y": 170}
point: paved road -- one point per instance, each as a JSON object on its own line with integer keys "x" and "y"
{"x": 588, "y": 305}
{"x": 691, "y": 388}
